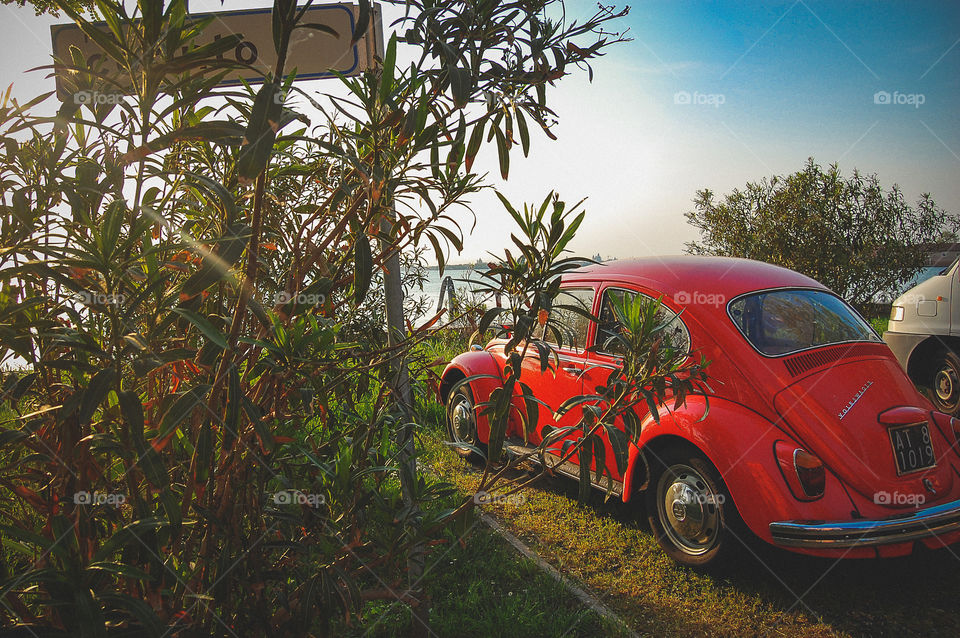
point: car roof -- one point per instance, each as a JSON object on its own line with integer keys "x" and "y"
{"x": 727, "y": 276}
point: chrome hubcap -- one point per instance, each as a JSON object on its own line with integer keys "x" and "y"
{"x": 462, "y": 421}
{"x": 946, "y": 383}
{"x": 688, "y": 509}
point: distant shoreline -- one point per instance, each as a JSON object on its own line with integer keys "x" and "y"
{"x": 455, "y": 267}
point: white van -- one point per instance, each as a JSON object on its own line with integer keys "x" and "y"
{"x": 924, "y": 334}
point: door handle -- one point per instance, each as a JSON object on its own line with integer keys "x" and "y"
{"x": 575, "y": 371}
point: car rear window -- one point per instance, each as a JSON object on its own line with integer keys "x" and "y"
{"x": 779, "y": 322}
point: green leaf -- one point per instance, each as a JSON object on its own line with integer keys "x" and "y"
{"x": 363, "y": 269}
{"x": 95, "y": 393}
{"x": 651, "y": 404}
{"x": 524, "y": 132}
{"x": 105, "y": 42}
{"x": 503, "y": 153}
{"x": 533, "y": 409}
{"x": 459, "y": 85}
{"x": 182, "y": 408}
{"x": 146, "y": 617}
{"x": 386, "y": 73}
{"x": 488, "y": 316}
{"x": 151, "y": 12}
{"x": 132, "y": 410}
{"x": 215, "y": 267}
{"x": 599, "y": 456}
{"x": 120, "y": 569}
{"x": 619, "y": 446}
{"x": 586, "y": 455}
{"x": 261, "y": 131}
{"x": 473, "y": 147}
{"x": 207, "y": 328}
{"x": 363, "y": 21}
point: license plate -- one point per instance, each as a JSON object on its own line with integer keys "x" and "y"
{"x": 912, "y": 448}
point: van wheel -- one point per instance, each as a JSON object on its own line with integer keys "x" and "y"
{"x": 690, "y": 510}
{"x": 462, "y": 422}
{"x": 944, "y": 388}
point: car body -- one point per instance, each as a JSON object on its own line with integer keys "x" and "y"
{"x": 814, "y": 439}
{"x": 924, "y": 334}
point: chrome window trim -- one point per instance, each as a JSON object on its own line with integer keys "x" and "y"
{"x": 808, "y": 348}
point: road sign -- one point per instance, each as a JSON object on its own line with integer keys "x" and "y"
{"x": 313, "y": 54}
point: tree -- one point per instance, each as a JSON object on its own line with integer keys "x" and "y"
{"x": 51, "y": 6}
{"x": 847, "y": 233}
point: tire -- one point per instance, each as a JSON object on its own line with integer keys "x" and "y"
{"x": 690, "y": 510}
{"x": 943, "y": 387}
{"x": 462, "y": 422}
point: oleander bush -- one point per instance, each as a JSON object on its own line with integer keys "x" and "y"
{"x": 203, "y": 432}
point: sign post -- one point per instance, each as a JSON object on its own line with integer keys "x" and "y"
{"x": 313, "y": 54}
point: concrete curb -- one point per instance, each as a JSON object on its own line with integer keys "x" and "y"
{"x": 581, "y": 595}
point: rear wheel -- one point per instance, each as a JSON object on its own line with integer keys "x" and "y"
{"x": 944, "y": 388}
{"x": 462, "y": 421}
{"x": 690, "y": 510}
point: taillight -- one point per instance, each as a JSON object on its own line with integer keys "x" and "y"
{"x": 809, "y": 468}
{"x": 803, "y": 472}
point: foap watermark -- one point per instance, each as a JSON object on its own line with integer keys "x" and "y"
{"x": 96, "y": 298}
{"x": 900, "y": 99}
{"x": 898, "y": 498}
{"x": 691, "y": 498}
{"x": 716, "y": 100}
{"x": 96, "y": 98}
{"x": 698, "y": 298}
{"x": 485, "y": 498}
{"x": 912, "y": 298}
{"x": 99, "y": 498}
{"x": 301, "y": 299}
{"x": 296, "y": 497}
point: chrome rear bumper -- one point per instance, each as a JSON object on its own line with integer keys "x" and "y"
{"x": 932, "y": 521}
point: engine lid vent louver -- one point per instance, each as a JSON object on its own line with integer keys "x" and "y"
{"x": 800, "y": 363}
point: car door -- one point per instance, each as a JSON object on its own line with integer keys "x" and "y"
{"x": 563, "y": 379}
{"x": 601, "y": 363}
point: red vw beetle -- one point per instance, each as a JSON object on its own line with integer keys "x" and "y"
{"x": 814, "y": 440}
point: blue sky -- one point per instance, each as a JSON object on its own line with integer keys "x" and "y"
{"x": 777, "y": 83}
{"x": 708, "y": 95}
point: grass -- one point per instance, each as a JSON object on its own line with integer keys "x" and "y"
{"x": 609, "y": 549}
{"x": 483, "y": 587}
{"x": 880, "y": 324}
{"x": 477, "y": 583}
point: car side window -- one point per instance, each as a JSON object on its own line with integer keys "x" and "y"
{"x": 609, "y": 325}
{"x": 566, "y": 326}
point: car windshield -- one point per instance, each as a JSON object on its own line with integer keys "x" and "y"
{"x": 783, "y": 321}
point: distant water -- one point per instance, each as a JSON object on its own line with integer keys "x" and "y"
{"x": 431, "y": 287}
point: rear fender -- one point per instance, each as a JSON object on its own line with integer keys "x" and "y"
{"x": 740, "y": 444}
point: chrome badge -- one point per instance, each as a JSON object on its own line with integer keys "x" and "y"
{"x": 854, "y": 400}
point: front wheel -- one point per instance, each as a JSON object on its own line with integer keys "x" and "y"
{"x": 690, "y": 510}
{"x": 462, "y": 422}
{"x": 945, "y": 383}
